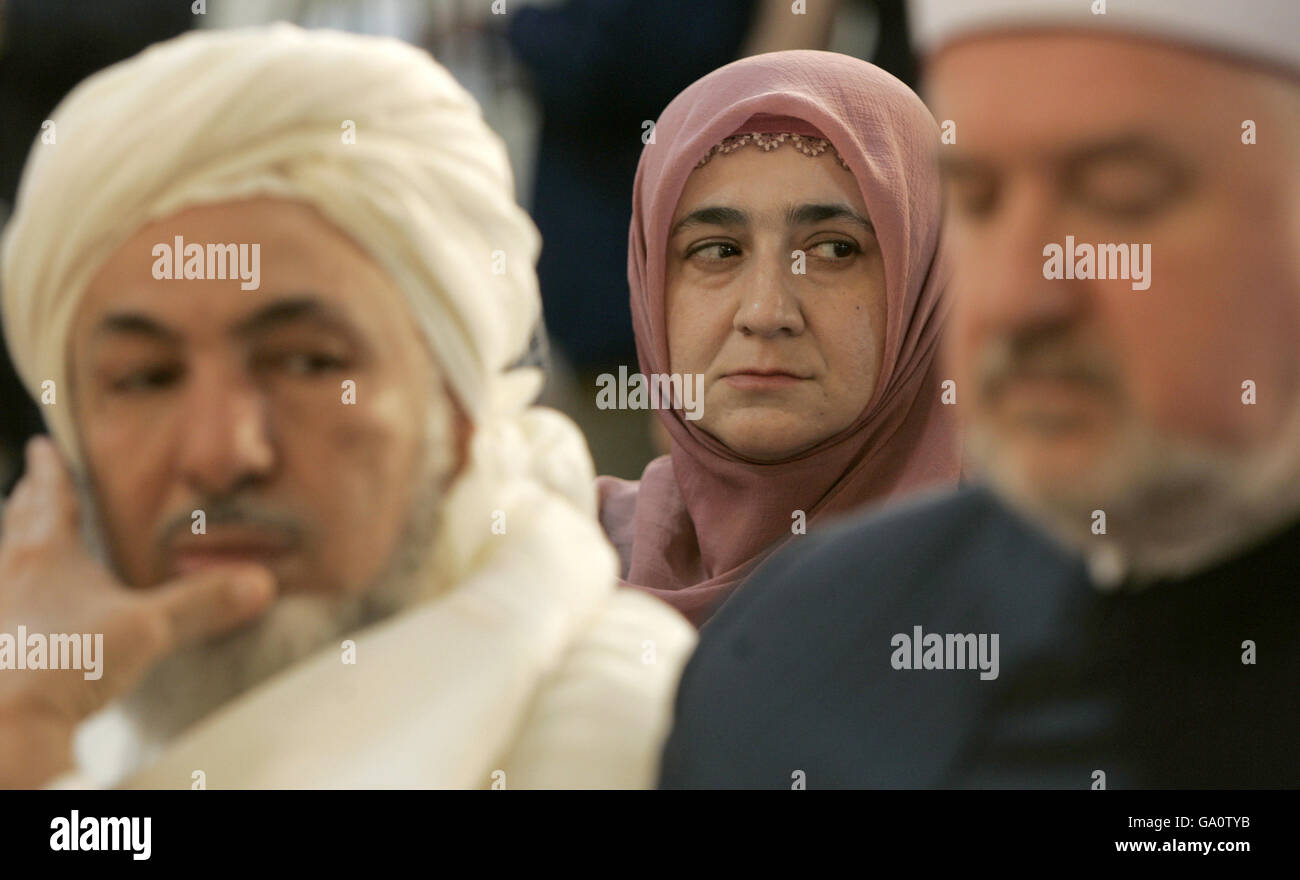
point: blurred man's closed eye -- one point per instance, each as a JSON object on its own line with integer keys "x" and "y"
{"x": 301, "y": 364}
{"x": 147, "y": 380}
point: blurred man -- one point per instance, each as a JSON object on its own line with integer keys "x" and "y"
{"x": 268, "y": 285}
{"x": 1115, "y": 605}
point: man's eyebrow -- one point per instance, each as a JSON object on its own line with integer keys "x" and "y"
{"x": 1124, "y": 147}
{"x": 134, "y": 324}
{"x": 1128, "y": 146}
{"x": 289, "y": 311}
{"x": 806, "y": 214}
{"x": 712, "y": 215}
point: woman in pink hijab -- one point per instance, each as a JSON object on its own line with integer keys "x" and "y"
{"x": 784, "y": 246}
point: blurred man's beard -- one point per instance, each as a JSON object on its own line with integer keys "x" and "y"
{"x": 190, "y": 684}
{"x": 1172, "y": 508}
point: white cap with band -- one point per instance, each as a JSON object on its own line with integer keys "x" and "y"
{"x": 1262, "y": 31}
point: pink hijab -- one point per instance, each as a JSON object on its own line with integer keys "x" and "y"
{"x": 702, "y": 518}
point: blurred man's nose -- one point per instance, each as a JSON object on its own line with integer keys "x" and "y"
{"x": 225, "y": 438}
{"x": 769, "y": 304}
{"x": 1002, "y": 269}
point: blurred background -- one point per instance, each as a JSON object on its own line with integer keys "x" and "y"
{"x": 566, "y": 83}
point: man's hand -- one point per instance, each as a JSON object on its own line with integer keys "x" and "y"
{"x": 50, "y": 583}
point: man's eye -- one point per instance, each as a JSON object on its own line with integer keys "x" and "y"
{"x": 145, "y": 380}
{"x": 837, "y": 250}
{"x": 1126, "y": 190}
{"x": 304, "y": 363}
{"x": 1128, "y": 206}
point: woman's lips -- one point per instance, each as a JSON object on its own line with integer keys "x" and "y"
{"x": 761, "y": 381}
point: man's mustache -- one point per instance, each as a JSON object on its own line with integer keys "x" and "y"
{"x": 238, "y": 512}
{"x": 1042, "y": 355}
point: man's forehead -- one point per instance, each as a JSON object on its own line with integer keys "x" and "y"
{"x": 166, "y": 320}
{"x": 1064, "y": 153}
{"x": 1046, "y": 96}
{"x": 212, "y": 268}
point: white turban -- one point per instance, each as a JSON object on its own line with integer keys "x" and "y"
{"x": 1259, "y": 30}
{"x": 425, "y": 189}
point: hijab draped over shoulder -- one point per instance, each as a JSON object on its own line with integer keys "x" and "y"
{"x": 702, "y": 518}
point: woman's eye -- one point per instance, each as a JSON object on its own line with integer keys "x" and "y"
{"x": 834, "y": 250}
{"x": 718, "y": 250}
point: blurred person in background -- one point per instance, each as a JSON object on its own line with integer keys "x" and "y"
{"x": 814, "y": 377}
{"x": 323, "y": 535}
{"x": 1114, "y": 604}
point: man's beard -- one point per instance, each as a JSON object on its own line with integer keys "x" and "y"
{"x": 1172, "y": 506}
{"x": 189, "y": 684}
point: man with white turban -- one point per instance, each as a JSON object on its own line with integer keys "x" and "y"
{"x": 269, "y": 286}
{"x": 1113, "y": 604}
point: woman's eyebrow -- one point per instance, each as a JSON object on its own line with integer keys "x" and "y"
{"x": 711, "y": 215}
{"x": 806, "y": 214}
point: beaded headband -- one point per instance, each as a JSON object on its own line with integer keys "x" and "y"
{"x": 769, "y": 141}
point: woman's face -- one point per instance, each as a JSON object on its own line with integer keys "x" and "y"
{"x": 790, "y": 348}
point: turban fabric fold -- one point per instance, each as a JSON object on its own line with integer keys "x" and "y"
{"x": 370, "y": 131}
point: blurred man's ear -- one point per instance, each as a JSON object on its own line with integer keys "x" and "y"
{"x": 464, "y": 431}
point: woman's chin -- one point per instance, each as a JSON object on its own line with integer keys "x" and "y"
{"x": 763, "y": 444}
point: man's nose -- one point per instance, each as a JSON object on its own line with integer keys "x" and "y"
{"x": 225, "y": 437}
{"x": 1003, "y": 271}
{"x": 769, "y": 304}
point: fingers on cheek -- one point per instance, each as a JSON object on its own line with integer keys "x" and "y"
{"x": 32, "y": 533}
{"x": 18, "y": 504}
{"x": 133, "y": 641}
{"x": 35, "y": 514}
{"x": 50, "y": 477}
